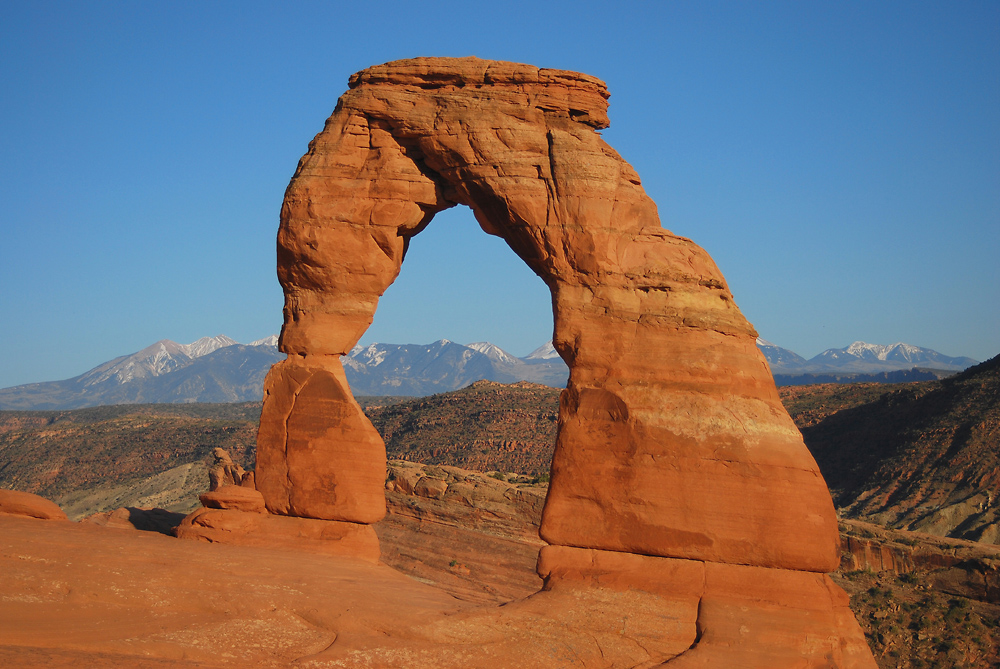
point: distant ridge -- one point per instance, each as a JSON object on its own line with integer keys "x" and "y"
{"x": 896, "y": 376}
{"x": 219, "y": 369}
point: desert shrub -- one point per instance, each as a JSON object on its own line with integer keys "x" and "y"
{"x": 858, "y": 573}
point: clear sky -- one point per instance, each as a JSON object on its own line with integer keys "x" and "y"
{"x": 839, "y": 160}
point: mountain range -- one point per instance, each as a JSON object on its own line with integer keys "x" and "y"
{"x": 412, "y": 369}
{"x": 860, "y": 358}
{"x": 219, "y": 369}
{"x": 211, "y": 369}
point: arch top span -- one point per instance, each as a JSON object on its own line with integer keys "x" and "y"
{"x": 672, "y": 440}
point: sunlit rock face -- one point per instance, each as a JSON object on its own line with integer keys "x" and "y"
{"x": 672, "y": 440}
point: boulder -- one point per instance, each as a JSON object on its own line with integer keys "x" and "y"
{"x": 234, "y": 497}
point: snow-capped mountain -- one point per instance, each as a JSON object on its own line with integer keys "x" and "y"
{"x": 218, "y": 369}
{"x": 493, "y": 352}
{"x": 863, "y": 357}
{"x": 544, "y": 352}
{"x": 270, "y": 340}
{"x": 860, "y": 358}
{"x": 416, "y": 369}
{"x": 211, "y": 369}
{"x": 156, "y": 359}
{"x": 206, "y": 345}
{"x": 780, "y": 359}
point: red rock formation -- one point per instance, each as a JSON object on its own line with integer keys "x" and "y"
{"x": 224, "y": 471}
{"x": 672, "y": 439}
{"x": 234, "y": 513}
{"x": 263, "y": 530}
{"x": 17, "y": 503}
{"x": 233, "y": 497}
{"x": 727, "y": 615}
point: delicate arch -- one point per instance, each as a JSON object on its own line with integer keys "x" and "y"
{"x": 672, "y": 440}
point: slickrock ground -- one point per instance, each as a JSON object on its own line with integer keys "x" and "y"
{"x": 76, "y": 594}
{"x": 85, "y": 595}
{"x": 97, "y": 594}
{"x": 17, "y": 503}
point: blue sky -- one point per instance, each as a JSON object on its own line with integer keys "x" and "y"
{"x": 840, "y": 161}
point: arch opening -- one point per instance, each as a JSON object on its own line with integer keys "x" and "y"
{"x": 460, "y": 284}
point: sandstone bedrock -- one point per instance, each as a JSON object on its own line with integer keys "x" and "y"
{"x": 672, "y": 440}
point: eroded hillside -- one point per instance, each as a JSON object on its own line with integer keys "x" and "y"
{"x": 922, "y": 456}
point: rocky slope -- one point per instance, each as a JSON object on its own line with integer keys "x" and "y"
{"x": 100, "y": 458}
{"x": 920, "y": 457}
{"x": 472, "y": 534}
{"x": 96, "y": 458}
{"x": 486, "y": 426}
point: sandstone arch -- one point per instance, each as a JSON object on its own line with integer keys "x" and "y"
{"x": 672, "y": 441}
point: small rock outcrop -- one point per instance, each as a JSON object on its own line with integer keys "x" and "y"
{"x": 233, "y": 512}
{"x": 17, "y": 503}
{"x": 234, "y": 497}
{"x": 673, "y": 444}
{"x": 132, "y": 518}
{"x": 224, "y": 471}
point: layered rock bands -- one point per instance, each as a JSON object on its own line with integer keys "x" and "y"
{"x": 672, "y": 440}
